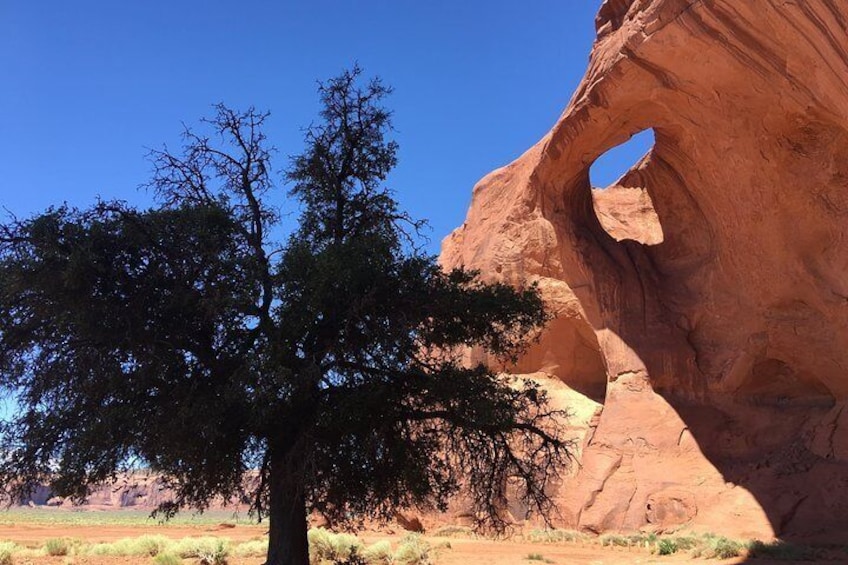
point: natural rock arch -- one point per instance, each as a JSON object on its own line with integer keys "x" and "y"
{"x": 725, "y": 345}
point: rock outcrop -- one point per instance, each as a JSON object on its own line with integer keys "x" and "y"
{"x": 702, "y": 302}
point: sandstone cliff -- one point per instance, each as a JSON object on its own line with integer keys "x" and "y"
{"x": 702, "y": 303}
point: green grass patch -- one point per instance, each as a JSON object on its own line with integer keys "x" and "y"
{"x": 122, "y": 517}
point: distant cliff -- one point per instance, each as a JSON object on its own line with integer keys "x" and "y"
{"x": 143, "y": 491}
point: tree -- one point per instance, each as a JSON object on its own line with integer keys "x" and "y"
{"x": 330, "y": 367}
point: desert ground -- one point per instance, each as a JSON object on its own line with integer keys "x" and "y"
{"x": 461, "y": 552}
{"x": 31, "y": 529}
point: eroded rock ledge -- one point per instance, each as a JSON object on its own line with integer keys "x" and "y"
{"x": 715, "y": 360}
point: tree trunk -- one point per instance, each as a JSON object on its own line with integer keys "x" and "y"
{"x": 287, "y": 541}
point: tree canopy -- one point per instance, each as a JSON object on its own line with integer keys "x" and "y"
{"x": 329, "y": 366}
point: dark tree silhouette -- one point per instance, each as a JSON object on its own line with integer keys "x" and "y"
{"x": 182, "y": 339}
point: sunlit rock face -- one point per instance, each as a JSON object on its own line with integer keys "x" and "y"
{"x": 706, "y": 312}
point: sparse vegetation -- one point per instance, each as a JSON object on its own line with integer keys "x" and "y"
{"x": 209, "y": 550}
{"x": 555, "y": 536}
{"x": 252, "y": 548}
{"x": 132, "y": 517}
{"x": 326, "y": 547}
{"x": 667, "y": 546}
{"x": 151, "y": 545}
{"x": 7, "y": 549}
{"x": 413, "y": 550}
{"x": 167, "y": 559}
{"x": 379, "y": 553}
{"x": 330, "y": 548}
{"x": 57, "y": 547}
{"x": 712, "y": 546}
{"x": 686, "y": 542}
{"x": 780, "y": 551}
{"x": 630, "y": 540}
{"x": 454, "y": 532}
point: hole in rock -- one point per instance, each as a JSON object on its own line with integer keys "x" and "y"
{"x": 619, "y": 193}
{"x": 614, "y": 163}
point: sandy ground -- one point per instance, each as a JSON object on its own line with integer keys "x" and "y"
{"x": 462, "y": 551}
{"x": 34, "y": 534}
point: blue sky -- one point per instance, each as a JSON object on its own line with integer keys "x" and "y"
{"x": 88, "y": 85}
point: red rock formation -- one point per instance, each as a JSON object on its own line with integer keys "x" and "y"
{"x": 141, "y": 490}
{"x": 717, "y": 348}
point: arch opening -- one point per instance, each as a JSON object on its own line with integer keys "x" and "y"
{"x": 620, "y": 196}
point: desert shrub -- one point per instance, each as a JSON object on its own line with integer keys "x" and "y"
{"x": 252, "y": 548}
{"x": 215, "y": 555}
{"x": 210, "y": 551}
{"x": 722, "y": 547}
{"x": 780, "y": 551}
{"x": 167, "y": 559}
{"x": 643, "y": 539}
{"x": 150, "y": 545}
{"x": 615, "y": 540}
{"x": 685, "y": 543}
{"x": 328, "y": 547}
{"x": 102, "y": 549}
{"x": 630, "y": 540}
{"x": 709, "y": 546}
{"x": 57, "y": 546}
{"x": 413, "y": 550}
{"x": 554, "y": 536}
{"x": 379, "y": 553}
{"x": 667, "y": 546}
{"x": 7, "y": 549}
{"x": 355, "y": 557}
{"x": 453, "y": 532}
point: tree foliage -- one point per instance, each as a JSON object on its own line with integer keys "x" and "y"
{"x": 331, "y": 366}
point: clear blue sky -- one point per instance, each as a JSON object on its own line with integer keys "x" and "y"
{"x": 87, "y": 85}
